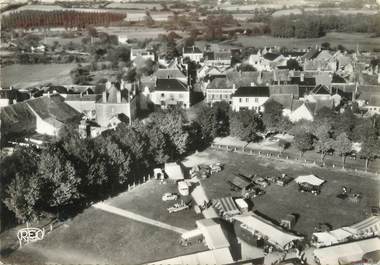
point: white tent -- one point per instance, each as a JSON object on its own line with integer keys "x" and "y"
{"x": 174, "y": 171}
{"x": 333, "y": 237}
{"x": 275, "y": 235}
{"x": 310, "y": 179}
{"x": 370, "y": 225}
{"x": 213, "y": 234}
{"x": 346, "y": 253}
{"x": 211, "y": 257}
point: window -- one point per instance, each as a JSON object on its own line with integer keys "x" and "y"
{"x": 246, "y": 99}
{"x": 163, "y": 95}
{"x": 256, "y": 100}
{"x": 240, "y": 100}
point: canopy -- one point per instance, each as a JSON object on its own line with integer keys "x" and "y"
{"x": 310, "y": 179}
{"x": 191, "y": 234}
{"x": 215, "y": 256}
{"x": 346, "y": 253}
{"x": 334, "y": 237}
{"x": 226, "y": 206}
{"x": 276, "y": 235}
{"x": 174, "y": 171}
{"x": 213, "y": 234}
{"x": 369, "y": 225}
{"x": 199, "y": 195}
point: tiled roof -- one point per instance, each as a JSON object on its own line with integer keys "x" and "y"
{"x": 217, "y": 55}
{"x": 285, "y": 100}
{"x": 170, "y": 85}
{"x": 271, "y": 56}
{"x": 169, "y": 73}
{"x": 284, "y": 90}
{"x": 374, "y": 101}
{"x": 307, "y": 81}
{"x": 321, "y": 90}
{"x": 78, "y": 97}
{"x": 218, "y": 83}
{"x": 252, "y": 91}
{"x": 20, "y": 117}
{"x": 53, "y": 107}
{"x": 338, "y": 79}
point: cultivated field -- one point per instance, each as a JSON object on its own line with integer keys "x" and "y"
{"x": 136, "y": 32}
{"x": 348, "y": 40}
{"x": 280, "y": 201}
{"x": 29, "y": 75}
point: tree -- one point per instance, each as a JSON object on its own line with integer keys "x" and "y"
{"x": 293, "y": 64}
{"x": 324, "y": 142}
{"x": 159, "y": 146}
{"x": 303, "y": 142}
{"x": 369, "y": 150}
{"x": 272, "y": 115}
{"x": 22, "y": 196}
{"x": 247, "y": 68}
{"x": 172, "y": 124}
{"x": 283, "y": 145}
{"x": 343, "y": 146}
{"x": 61, "y": 182}
{"x": 246, "y": 125}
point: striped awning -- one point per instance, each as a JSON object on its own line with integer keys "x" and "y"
{"x": 226, "y": 206}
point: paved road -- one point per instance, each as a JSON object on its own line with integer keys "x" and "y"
{"x": 137, "y": 217}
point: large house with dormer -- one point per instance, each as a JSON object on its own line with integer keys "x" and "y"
{"x": 250, "y": 98}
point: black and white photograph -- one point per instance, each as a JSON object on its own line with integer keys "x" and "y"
{"x": 190, "y": 132}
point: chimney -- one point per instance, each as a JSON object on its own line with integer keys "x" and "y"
{"x": 104, "y": 97}
{"x": 118, "y": 96}
{"x": 252, "y": 84}
{"x": 233, "y": 88}
{"x": 302, "y": 77}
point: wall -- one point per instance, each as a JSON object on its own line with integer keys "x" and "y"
{"x": 105, "y": 111}
{"x": 255, "y": 103}
{"x": 42, "y": 127}
{"x": 168, "y": 97}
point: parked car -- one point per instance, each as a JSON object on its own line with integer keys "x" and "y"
{"x": 262, "y": 182}
{"x": 283, "y": 181}
{"x": 253, "y": 192}
{"x": 178, "y": 207}
{"x": 170, "y": 196}
{"x": 215, "y": 168}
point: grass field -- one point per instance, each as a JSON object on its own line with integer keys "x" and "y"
{"x": 280, "y": 201}
{"x": 98, "y": 237}
{"x": 146, "y": 200}
{"x": 348, "y": 40}
{"x": 29, "y": 75}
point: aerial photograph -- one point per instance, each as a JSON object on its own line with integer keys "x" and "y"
{"x": 190, "y": 132}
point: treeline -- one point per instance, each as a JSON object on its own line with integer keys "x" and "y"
{"x": 28, "y": 19}
{"x": 315, "y": 26}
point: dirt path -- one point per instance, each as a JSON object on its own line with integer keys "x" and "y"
{"x": 137, "y": 217}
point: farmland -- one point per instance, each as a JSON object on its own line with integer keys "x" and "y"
{"x": 24, "y": 76}
{"x": 348, "y": 40}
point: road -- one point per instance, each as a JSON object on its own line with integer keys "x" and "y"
{"x": 137, "y": 217}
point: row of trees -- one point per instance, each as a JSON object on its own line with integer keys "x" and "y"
{"x": 28, "y": 19}
{"x": 314, "y": 26}
{"x": 67, "y": 175}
